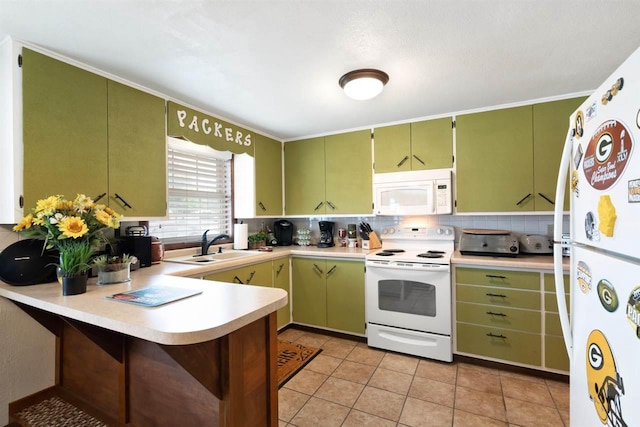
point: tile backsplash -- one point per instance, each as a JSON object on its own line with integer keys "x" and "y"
{"x": 524, "y": 224}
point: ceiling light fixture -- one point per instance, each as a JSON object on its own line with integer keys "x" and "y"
{"x": 363, "y": 84}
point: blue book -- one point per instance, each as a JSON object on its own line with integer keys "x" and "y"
{"x": 154, "y": 296}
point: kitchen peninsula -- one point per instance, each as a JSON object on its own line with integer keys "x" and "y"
{"x": 209, "y": 359}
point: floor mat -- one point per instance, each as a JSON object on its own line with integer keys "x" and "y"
{"x": 55, "y": 412}
{"x": 291, "y": 358}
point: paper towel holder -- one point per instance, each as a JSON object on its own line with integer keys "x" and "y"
{"x": 240, "y": 236}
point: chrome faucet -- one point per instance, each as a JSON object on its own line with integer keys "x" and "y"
{"x": 206, "y": 244}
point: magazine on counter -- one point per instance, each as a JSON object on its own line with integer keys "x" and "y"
{"x": 154, "y": 296}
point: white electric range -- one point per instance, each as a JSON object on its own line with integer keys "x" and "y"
{"x": 408, "y": 291}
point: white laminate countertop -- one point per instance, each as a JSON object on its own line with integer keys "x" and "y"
{"x": 529, "y": 262}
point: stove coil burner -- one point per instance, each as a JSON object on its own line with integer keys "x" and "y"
{"x": 393, "y": 251}
{"x": 383, "y": 253}
{"x": 432, "y": 254}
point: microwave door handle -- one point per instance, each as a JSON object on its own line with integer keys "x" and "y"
{"x": 434, "y": 196}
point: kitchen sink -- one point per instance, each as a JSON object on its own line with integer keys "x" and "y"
{"x": 209, "y": 258}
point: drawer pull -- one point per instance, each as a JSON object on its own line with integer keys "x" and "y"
{"x": 492, "y": 335}
{"x": 491, "y": 313}
{"x": 493, "y": 276}
{"x": 523, "y": 199}
{"x": 331, "y": 270}
{"x": 279, "y": 270}
{"x": 496, "y": 295}
{"x": 124, "y": 202}
{"x": 402, "y": 161}
{"x": 262, "y": 206}
{"x": 237, "y": 280}
{"x": 253, "y": 273}
{"x": 318, "y": 269}
{"x": 318, "y": 207}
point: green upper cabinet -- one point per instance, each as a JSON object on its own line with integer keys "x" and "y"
{"x": 432, "y": 144}
{"x": 329, "y": 175}
{"x": 414, "y": 146}
{"x": 268, "y": 178}
{"x": 85, "y": 134}
{"x": 64, "y": 129}
{"x": 136, "y": 131}
{"x": 304, "y": 176}
{"x": 348, "y": 174}
{"x": 550, "y": 127}
{"x": 494, "y": 151}
{"x": 392, "y": 148}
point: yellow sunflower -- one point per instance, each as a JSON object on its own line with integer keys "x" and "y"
{"x": 24, "y": 223}
{"x": 103, "y": 218}
{"x": 49, "y": 205}
{"x": 72, "y": 226}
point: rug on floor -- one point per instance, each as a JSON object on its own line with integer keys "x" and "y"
{"x": 55, "y": 412}
{"x": 291, "y": 358}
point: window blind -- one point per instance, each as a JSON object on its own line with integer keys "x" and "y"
{"x": 199, "y": 193}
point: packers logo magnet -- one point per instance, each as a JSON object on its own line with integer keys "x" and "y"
{"x": 583, "y": 276}
{"x": 633, "y": 310}
{"x": 607, "y": 154}
{"x": 603, "y": 380}
{"x": 607, "y": 295}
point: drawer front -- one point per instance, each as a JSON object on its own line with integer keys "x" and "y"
{"x": 499, "y": 297}
{"x": 552, "y": 324}
{"x": 521, "y": 347}
{"x": 551, "y": 302}
{"x": 550, "y": 283}
{"x": 501, "y": 278}
{"x": 555, "y": 353}
{"x": 500, "y": 317}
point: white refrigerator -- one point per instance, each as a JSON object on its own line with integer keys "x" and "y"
{"x": 601, "y": 160}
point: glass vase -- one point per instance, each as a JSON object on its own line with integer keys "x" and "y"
{"x": 114, "y": 273}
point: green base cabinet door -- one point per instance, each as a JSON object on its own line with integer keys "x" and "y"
{"x": 281, "y": 280}
{"x": 345, "y": 296}
{"x": 432, "y": 144}
{"x": 555, "y": 353}
{"x": 268, "y": 179}
{"x": 392, "y": 148}
{"x": 309, "y": 291}
{"x": 64, "y": 130}
{"x": 304, "y": 177}
{"x": 137, "y": 132}
{"x": 227, "y": 276}
{"x": 260, "y": 274}
{"x": 348, "y": 173}
{"x": 494, "y": 151}
{"x": 521, "y": 347}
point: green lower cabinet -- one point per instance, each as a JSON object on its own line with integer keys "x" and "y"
{"x": 502, "y": 317}
{"x": 502, "y": 278}
{"x": 519, "y": 347}
{"x": 309, "y": 291}
{"x": 329, "y": 293}
{"x": 281, "y": 280}
{"x": 228, "y": 276}
{"x": 498, "y": 296}
{"x": 345, "y": 296}
{"x": 258, "y": 274}
{"x": 555, "y": 353}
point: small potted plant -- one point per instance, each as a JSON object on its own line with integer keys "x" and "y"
{"x": 114, "y": 269}
{"x": 257, "y": 240}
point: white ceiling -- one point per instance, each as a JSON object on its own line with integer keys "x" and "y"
{"x": 274, "y": 65}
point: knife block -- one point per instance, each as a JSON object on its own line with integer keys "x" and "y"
{"x": 374, "y": 242}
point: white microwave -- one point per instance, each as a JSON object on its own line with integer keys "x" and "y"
{"x": 425, "y": 192}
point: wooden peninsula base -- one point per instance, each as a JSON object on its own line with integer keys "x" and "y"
{"x": 123, "y": 380}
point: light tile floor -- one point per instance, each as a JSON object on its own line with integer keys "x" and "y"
{"x": 350, "y": 384}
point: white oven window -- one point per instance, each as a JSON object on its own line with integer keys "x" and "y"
{"x": 407, "y": 296}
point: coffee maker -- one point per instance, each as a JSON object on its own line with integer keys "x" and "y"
{"x": 326, "y": 234}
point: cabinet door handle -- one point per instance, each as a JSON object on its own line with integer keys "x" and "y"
{"x": 251, "y": 276}
{"x": 318, "y": 207}
{"x": 547, "y": 199}
{"x": 100, "y": 196}
{"x": 237, "y": 280}
{"x": 491, "y": 313}
{"x": 493, "y": 276}
{"x": 492, "y": 335}
{"x": 331, "y": 205}
{"x": 523, "y": 199}
{"x": 418, "y": 159}
{"x": 318, "y": 269}
{"x": 123, "y": 201}
{"x": 279, "y": 270}
{"x": 262, "y": 206}
{"x": 403, "y": 160}
{"x": 331, "y": 271}
{"x": 496, "y": 295}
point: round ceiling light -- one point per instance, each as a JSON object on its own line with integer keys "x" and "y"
{"x": 363, "y": 84}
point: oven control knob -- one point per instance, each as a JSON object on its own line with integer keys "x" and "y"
{"x": 392, "y": 230}
{"x": 513, "y": 249}
{"x": 439, "y": 231}
{"x": 385, "y": 230}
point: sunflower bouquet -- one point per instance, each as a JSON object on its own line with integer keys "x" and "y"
{"x": 74, "y": 227}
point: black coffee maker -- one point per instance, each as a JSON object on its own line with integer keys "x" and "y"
{"x": 326, "y": 234}
{"x": 283, "y": 231}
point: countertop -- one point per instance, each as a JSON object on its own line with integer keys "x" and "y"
{"x": 530, "y": 262}
{"x": 221, "y": 308}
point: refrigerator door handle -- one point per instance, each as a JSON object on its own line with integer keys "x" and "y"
{"x": 563, "y": 171}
